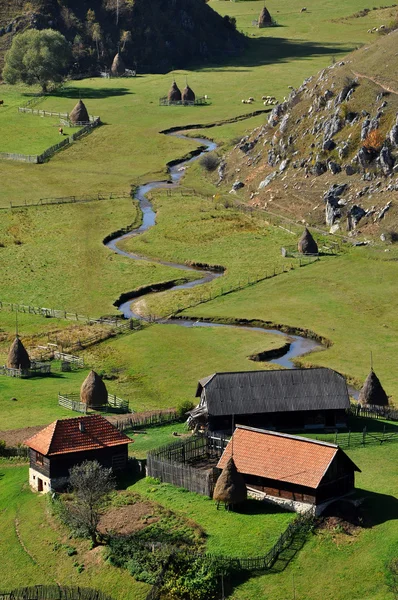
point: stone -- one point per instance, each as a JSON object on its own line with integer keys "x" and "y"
{"x": 238, "y": 185}
{"x": 334, "y": 167}
{"x": 365, "y": 129}
{"x": 334, "y": 228}
{"x": 319, "y": 168}
{"x": 366, "y": 156}
{"x": 349, "y": 170}
{"x": 332, "y": 126}
{"x": 386, "y": 160}
{"x": 267, "y": 180}
{"x": 356, "y": 213}
{"x": 284, "y": 164}
{"x": 328, "y": 145}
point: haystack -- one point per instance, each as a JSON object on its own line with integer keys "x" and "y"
{"x": 372, "y": 392}
{"x": 188, "y": 95}
{"x": 79, "y": 114}
{"x": 93, "y": 391}
{"x": 230, "y": 487}
{"x": 264, "y": 19}
{"x": 18, "y": 358}
{"x": 174, "y": 94}
{"x": 307, "y": 244}
{"x": 118, "y": 67}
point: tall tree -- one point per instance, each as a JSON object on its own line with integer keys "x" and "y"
{"x": 37, "y": 57}
{"x": 91, "y": 484}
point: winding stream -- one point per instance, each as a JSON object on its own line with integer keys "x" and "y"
{"x": 296, "y": 345}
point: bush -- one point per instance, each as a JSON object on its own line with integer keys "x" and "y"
{"x": 374, "y": 140}
{"x": 209, "y": 161}
{"x": 185, "y": 407}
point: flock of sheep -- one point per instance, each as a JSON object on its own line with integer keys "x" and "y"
{"x": 267, "y": 100}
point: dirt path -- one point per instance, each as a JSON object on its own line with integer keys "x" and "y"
{"x": 374, "y": 80}
{"x": 13, "y": 437}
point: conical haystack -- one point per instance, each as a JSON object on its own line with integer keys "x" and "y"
{"x": 118, "y": 67}
{"x": 18, "y": 358}
{"x": 188, "y": 95}
{"x": 93, "y": 391}
{"x": 230, "y": 487}
{"x": 174, "y": 94}
{"x": 79, "y": 114}
{"x": 307, "y": 244}
{"x": 372, "y": 392}
{"x": 264, "y": 19}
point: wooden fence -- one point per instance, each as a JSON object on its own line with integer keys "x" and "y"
{"x": 357, "y": 439}
{"x": 42, "y": 113}
{"x": 53, "y": 592}
{"x": 49, "y": 152}
{"x": 154, "y": 420}
{"x": 70, "y": 200}
{"x": 36, "y": 368}
{"x": 72, "y": 401}
{"x": 375, "y": 412}
{"x": 173, "y": 463}
{"x": 120, "y": 324}
{"x": 78, "y": 361}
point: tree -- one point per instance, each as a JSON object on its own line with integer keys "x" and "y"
{"x": 37, "y": 57}
{"x": 91, "y": 484}
{"x": 125, "y": 38}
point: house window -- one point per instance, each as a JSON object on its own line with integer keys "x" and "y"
{"x": 39, "y": 458}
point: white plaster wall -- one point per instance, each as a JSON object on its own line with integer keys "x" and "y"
{"x": 34, "y": 477}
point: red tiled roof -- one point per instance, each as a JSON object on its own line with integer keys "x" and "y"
{"x": 65, "y": 436}
{"x": 279, "y": 456}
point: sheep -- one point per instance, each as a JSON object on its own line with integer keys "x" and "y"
{"x": 251, "y": 99}
{"x": 206, "y": 97}
{"x": 243, "y": 101}
{"x": 304, "y": 9}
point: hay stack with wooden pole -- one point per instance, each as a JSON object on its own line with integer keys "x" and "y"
{"x": 265, "y": 19}
{"x": 79, "y": 114}
{"x": 188, "y": 95}
{"x": 93, "y": 391}
{"x": 230, "y": 487}
{"x": 372, "y": 392}
{"x": 18, "y": 358}
{"x": 118, "y": 67}
{"x": 174, "y": 94}
{"x": 307, "y": 244}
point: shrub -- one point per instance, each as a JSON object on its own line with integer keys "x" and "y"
{"x": 209, "y": 161}
{"x": 184, "y": 407}
{"x": 374, "y": 140}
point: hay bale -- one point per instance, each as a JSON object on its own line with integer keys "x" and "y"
{"x": 174, "y": 94}
{"x": 265, "y": 19}
{"x": 188, "y": 95}
{"x": 18, "y": 358}
{"x": 230, "y": 487}
{"x": 93, "y": 391}
{"x": 79, "y": 114}
{"x": 307, "y": 244}
{"x": 372, "y": 392}
{"x": 118, "y": 67}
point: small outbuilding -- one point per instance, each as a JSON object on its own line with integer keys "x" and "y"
{"x": 118, "y": 67}
{"x": 93, "y": 391}
{"x": 230, "y": 487}
{"x": 188, "y": 95}
{"x": 79, "y": 114}
{"x": 372, "y": 392}
{"x": 68, "y": 442}
{"x": 265, "y": 19}
{"x": 18, "y": 357}
{"x": 174, "y": 94}
{"x": 295, "y": 472}
{"x": 307, "y": 244}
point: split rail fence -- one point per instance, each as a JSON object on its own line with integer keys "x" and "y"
{"x": 70, "y": 200}
{"x": 138, "y": 421}
{"x": 72, "y": 402}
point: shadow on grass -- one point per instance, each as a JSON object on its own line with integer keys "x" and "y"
{"x": 357, "y": 424}
{"x": 254, "y": 507}
{"x": 91, "y": 93}
{"x": 273, "y": 50}
{"x": 378, "y": 508}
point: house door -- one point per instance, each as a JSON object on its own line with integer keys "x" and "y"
{"x": 39, "y": 484}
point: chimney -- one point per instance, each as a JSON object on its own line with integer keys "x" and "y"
{"x": 82, "y": 428}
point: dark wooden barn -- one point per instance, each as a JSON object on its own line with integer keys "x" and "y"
{"x": 289, "y": 400}
{"x": 295, "y": 472}
{"x": 68, "y": 442}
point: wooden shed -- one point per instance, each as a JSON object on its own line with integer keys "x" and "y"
{"x": 68, "y": 442}
{"x": 292, "y": 471}
{"x": 289, "y": 400}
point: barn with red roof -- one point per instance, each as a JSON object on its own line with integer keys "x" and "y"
{"x": 293, "y": 471}
{"x": 68, "y": 442}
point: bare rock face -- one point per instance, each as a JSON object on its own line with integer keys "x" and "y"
{"x": 386, "y": 160}
{"x": 393, "y": 135}
{"x": 332, "y": 126}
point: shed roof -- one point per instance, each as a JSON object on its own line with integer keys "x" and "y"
{"x": 282, "y": 390}
{"x": 281, "y": 457}
{"x": 66, "y": 435}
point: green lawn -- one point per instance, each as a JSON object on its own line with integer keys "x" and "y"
{"x": 251, "y": 531}
{"x": 348, "y": 567}
{"x": 154, "y": 437}
{"x": 39, "y": 556}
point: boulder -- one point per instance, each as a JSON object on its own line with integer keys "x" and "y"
{"x": 332, "y": 126}
{"x": 328, "y": 145}
{"x": 267, "y": 180}
{"x": 319, "y": 168}
{"x": 386, "y": 160}
{"x": 237, "y": 185}
{"x": 334, "y": 167}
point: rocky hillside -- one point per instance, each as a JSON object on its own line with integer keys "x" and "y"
{"x": 328, "y": 155}
{"x": 152, "y": 36}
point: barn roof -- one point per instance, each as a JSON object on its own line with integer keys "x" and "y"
{"x": 282, "y": 390}
{"x": 67, "y": 435}
{"x": 282, "y": 457}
